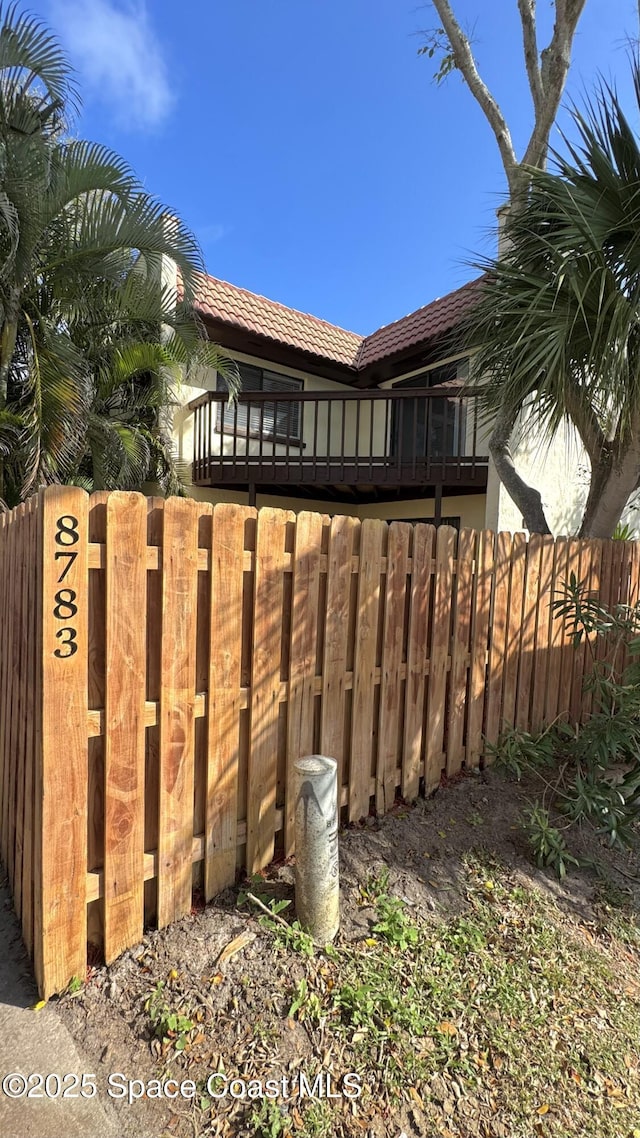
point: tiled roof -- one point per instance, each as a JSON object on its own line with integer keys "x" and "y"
{"x": 424, "y": 324}
{"x": 227, "y": 304}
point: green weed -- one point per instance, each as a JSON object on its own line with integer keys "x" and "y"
{"x": 268, "y": 1121}
{"x": 305, "y": 1004}
{"x": 548, "y": 845}
{"x": 166, "y": 1023}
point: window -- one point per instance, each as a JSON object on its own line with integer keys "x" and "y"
{"x": 281, "y": 421}
{"x": 432, "y": 428}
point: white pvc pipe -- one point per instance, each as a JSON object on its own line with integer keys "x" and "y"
{"x": 316, "y": 831}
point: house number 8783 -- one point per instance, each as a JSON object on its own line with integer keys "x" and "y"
{"x": 65, "y": 607}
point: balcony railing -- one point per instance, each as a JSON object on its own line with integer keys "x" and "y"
{"x": 393, "y": 438}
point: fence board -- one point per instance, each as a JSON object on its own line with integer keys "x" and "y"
{"x": 634, "y": 583}
{"x": 265, "y": 685}
{"x": 568, "y": 652}
{"x": 177, "y": 699}
{"x": 14, "y": 698}
{"x": 580, "y": 652}
{"x": 615, "y": 578}
{"x": 528, "y": 635}
{"x": 498, "y": 647}
{"x": 421, "y": 583}
{"x": 155, "y": 515}
{"x": 11, "y": 699}
{"x": 542, "y": 662}
{"x": 224, "y": 695}
{"x": 514, "y": 628}
{"x": 467, "y": 541}
{"x": 302, "y": 659}
{"x": 626, "y": 586}
{"x": 32, "y": 640}
{"x": 634, "y": 579}
{"x": 336, "y": 633}
{"x": 479, "y": 645}
{"x": 556, "y": 633}
{"x": 5, "y": 591}
{"x": 21, "y": 726}
{"x": 203, "y": 662}
{"x": 12, "y": 706}
{"x": 592, "y": 641}
{"x": 440, "y": 644}
{"x": 627, "y": 568}
{"x": 617, "y": 590}
{"x": 389, "y": 748}
{"x": 124, "y": 742}
{"x": 605, "y": 591}
{"x": 371, "y": 537}
{"x": 8, "y": 685}
{"x": 20, "y": 718}
{"x": 61, "y": 805}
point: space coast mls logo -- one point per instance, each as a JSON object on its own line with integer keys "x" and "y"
{"x": 323, "y": 1086}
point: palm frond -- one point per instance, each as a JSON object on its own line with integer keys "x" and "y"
{"x": 559, "y": 318}
{"x": 32, "y": 63}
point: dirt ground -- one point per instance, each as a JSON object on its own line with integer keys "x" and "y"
{"x": 240, "y": 1007}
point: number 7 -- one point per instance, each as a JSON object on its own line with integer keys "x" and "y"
{"x": 72, "y": 556}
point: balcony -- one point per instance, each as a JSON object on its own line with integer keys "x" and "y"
{"x": 365, "y": 444}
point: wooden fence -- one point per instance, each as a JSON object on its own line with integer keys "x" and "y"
{"x": 163, "y": 664}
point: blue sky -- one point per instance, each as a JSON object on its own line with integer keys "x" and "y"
{"x": 305, "y": 142}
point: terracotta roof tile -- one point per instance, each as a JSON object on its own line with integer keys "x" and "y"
{"x": 228, "y": 304}
{"x": 424, "y": 324}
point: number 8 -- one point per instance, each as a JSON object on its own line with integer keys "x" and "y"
{"x": 67, "y": 526}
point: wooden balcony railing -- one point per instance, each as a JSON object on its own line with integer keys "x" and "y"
{"x": 393, "y": 438}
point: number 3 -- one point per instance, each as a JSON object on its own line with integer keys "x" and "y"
{"x": 69, "y": 643}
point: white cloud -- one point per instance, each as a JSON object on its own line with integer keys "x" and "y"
{"x": 212, "y": 232}
{"x": 119, "y": 57}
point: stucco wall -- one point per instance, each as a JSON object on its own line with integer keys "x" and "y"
{"x": 560, "y": 470}
{"x": 470, "y": 508}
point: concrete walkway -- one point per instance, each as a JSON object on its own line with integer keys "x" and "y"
{"x": 37, "y": 1042}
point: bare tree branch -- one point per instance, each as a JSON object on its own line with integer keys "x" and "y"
{"x": 466, "y": 64}
{"x": 547, "y": 74}
{"x": 555, "y": 61}
{"x": 527, "y": 9}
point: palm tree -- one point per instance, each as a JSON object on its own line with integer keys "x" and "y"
{"x": 557, "y": 331}
{"x": 83, "y": 253}
{"x": 131, "y": 387}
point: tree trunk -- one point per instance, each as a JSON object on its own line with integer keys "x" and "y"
{"x": 7, "y": 348}
{"x": 610, "y": 490}
{"x": 527, "y": 498}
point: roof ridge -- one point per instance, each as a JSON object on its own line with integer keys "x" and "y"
{"x": 285, "y": 307}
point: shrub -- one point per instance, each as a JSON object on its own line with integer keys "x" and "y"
{"x": 591, "y": 772}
